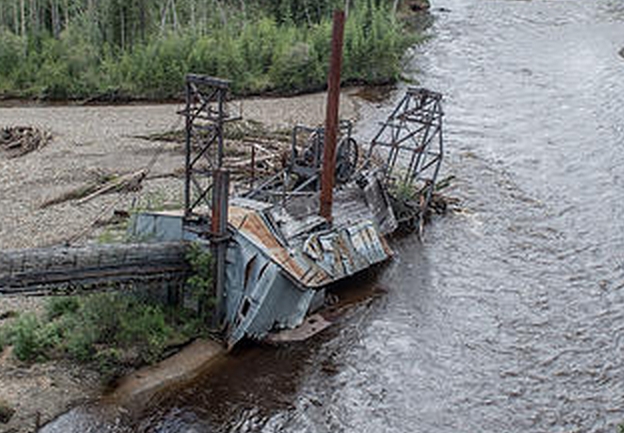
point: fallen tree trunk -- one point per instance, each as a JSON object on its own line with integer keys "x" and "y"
{"x": 63, "y": 270}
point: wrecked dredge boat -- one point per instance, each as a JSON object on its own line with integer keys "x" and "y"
{"x": 279, "y": 239}
{"x": 275, "y": 249}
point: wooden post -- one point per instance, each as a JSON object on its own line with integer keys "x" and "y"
{"x": 331, "y": 121}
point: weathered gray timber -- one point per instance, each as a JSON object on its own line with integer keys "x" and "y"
{"x": 69, "y": 269}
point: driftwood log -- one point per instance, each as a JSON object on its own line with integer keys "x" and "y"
{"x": 19, "y": 140}
{"x": 127, "y": 182}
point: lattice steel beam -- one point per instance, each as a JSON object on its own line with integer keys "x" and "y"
{"x": 206, "y": 115}
{"x": 411, "y": 142}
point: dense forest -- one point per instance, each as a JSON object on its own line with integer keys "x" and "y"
{"x": 61, "y": 49}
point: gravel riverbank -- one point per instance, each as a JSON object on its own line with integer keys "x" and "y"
{"x": 93, "y": 141}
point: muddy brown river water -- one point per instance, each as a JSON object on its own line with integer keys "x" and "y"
{"x": 510, "y": 316}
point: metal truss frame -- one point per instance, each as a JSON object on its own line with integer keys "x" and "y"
{"x": 205, "y": 115}
{"x": 411, "y": 142}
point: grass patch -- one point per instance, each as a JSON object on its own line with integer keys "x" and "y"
{"x": 32, "y": 339}
{"x": 58, "y": 307}
{"x": 114, "y": 332}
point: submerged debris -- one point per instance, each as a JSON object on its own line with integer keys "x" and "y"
{"x": 407, "y": 204}
{"x": 16, "y": 141}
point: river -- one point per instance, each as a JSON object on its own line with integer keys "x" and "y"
{"x": 509, "y": 317}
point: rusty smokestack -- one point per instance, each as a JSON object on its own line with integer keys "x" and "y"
{"x": 331, "y": 120}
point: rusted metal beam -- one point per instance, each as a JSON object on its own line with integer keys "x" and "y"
{"x": 331, "y": 121}
{"x": 219, "y": 235}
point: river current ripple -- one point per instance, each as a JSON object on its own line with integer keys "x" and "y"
{"x": 509, "y": 317}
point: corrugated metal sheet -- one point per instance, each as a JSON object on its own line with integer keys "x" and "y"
{"x": 259, "y": 296}
{"x": 320, "y": 258}
{"x": 271, "y": 283}
{"x": 344, "y": 252}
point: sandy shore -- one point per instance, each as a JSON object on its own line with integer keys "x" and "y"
{"x": 90, "y": 141}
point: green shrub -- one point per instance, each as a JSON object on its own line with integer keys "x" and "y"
{"x": 99, "y": 327}
{"x": 297, "y": 69}
{"x": 146, "y": 329}
{"x": 114, "y": 321}
{"x": 257, "y": 43}
{"x": 12, "y": 50}
{"x": 80, "y": 341}
{"x": 108, "y": 363}
{"x": 404, "y": 191}
{"x": 102, "y": 314}
{"x": 199, "y": 284}
{"x": 59, "y": 306}
{"x": 31, "y": 339}
{"x": 272, "y": 47}
{"x": 25, "y": 337}
{"x": 157, "y": 69}
{"x": 54, "y": 80}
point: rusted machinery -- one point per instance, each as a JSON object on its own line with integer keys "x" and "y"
{"x": 206, "y": 115}
{"x": 320, "y": 219}
{"x": 302, "y": 171}
{"x": 411, "y": 145}
{"x": 274, "y": 253}
{"x": 307, "y": 155}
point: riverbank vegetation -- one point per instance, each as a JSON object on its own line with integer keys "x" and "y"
{"x": 114, "y": 332}
{"x": 64, "y": 49}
